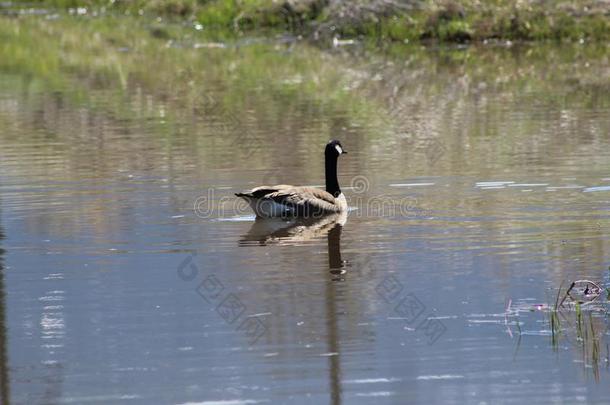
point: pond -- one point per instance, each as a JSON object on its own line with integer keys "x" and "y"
{"x": 478, "y": 183}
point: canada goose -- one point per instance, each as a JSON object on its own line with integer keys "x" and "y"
{"x": 289, "y": 201}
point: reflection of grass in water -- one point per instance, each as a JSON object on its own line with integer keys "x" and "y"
{"x": 272, "y": 81}
{"x": 118, "y": 54}
{"x": 120, "y": 51}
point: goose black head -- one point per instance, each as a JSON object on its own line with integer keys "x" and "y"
{"x": 334, "y": 148}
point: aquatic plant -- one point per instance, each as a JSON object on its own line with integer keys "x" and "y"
{"x": 577, "y": 316}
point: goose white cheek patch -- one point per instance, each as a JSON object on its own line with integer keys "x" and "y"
{"x": 339, "y": 149}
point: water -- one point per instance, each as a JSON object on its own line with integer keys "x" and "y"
{"x": 477, "y": 180}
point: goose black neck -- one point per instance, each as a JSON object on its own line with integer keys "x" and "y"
{"x": 332, "y": 184}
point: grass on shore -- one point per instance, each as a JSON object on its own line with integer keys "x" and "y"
{"x": 406, "y": 20}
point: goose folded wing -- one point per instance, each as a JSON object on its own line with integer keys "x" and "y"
{"x": 263, "y": 191}
{"x": 305, "y": 199}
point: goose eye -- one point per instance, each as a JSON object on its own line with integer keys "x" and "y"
{"x": 339, "y": 149}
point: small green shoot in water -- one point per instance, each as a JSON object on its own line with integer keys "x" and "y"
{"x": 579, "y": 330}
{"x": 555, "y": 329}
{"x": 554, "y": 320}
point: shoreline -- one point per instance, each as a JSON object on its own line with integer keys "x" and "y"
{"x": 381, "y": 20}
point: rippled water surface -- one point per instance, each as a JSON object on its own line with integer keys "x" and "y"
{"x": 478, "y": 181}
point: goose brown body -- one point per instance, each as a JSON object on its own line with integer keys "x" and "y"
{"x": 286, "y": 200}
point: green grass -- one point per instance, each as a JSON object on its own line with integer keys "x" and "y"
{"x": 120, "y": 50}
{"x": 442, "y": 21}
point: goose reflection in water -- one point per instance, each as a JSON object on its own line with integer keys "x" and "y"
{"x": 267, "y": 231}
{"x": 280, "y": 232}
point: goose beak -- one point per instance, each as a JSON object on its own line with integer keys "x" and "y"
{"x": 344, "y": 152}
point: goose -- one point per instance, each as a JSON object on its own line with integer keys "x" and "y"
{"x": 292, "y": 201}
